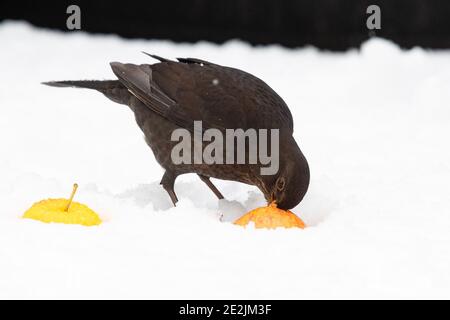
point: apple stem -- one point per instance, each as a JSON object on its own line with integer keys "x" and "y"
{"x": 75, "y": 187}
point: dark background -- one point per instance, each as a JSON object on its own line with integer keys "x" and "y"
{"x": 327, "y": 24}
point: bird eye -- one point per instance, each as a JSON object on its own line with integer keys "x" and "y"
{"x": 280, "y": 184}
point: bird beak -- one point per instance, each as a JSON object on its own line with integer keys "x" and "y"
{"x": 271, "y": 198}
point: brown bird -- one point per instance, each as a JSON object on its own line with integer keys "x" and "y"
{"x": 170, "y": 95}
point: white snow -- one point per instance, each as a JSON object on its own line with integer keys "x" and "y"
{"x": 374, "y": 124}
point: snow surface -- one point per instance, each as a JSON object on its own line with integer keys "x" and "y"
{"x": 374, "y": 124}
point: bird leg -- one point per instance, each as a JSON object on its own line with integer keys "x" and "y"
{"x": 213, "y": 188}
{"x": 168, "y": 182}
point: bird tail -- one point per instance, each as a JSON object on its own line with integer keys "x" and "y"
{"x": 99, "y": 85}
{"x": 112, "y": 89}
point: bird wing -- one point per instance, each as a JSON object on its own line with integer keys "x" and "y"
{"x": 196, "y": 90}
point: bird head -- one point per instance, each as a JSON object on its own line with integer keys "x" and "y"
{"x": 289, "y": 185}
